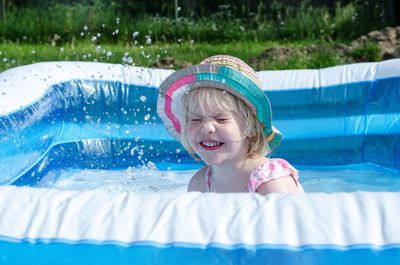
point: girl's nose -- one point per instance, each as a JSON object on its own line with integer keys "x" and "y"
{"x": 208, "y": 127}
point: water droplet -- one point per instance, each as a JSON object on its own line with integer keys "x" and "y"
{"x": 143, "y": 98}
{"x": 148, "y": 40}
{"x": 130, "y": 170}
{"x": 154, "y": 188}
{"x": 147, "y": 117}
{"x": 151, "y": 165}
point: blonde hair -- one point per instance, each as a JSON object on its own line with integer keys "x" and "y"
{"x": 218, "y": 100}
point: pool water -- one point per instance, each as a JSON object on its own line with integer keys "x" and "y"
{"x": 165, "y": 177}
{"x": 349, "y": 178}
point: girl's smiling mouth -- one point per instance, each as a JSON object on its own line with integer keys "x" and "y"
{"x": 211, "y": 145}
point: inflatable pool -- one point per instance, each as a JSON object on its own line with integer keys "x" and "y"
{"x": 63, "y": 117}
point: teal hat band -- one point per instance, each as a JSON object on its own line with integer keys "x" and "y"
{"x": 244, "y": 88}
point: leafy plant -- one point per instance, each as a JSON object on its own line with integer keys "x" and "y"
{"x": 367, "y": 52}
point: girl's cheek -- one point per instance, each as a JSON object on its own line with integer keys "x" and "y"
{"x": 191, "y": 133}
{"x": 191, "y": 128}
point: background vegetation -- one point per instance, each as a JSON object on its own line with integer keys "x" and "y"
{"x": 143, "y": 32}
{"x": 42, "y": 21}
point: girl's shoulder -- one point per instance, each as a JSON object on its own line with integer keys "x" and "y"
{"x": 272, "y": 169}
{"x": 198, "y": 181}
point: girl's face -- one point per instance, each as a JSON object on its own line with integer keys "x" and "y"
{"x": 217, "y": 136}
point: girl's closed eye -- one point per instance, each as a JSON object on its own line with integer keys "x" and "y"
{"x": 223, "y": 118}
{"x": 195, "y": 119}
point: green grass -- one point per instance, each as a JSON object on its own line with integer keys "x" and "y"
{"x": 109, "y": 24}
{"x": 12, "y": 54}
{"x": 105, "y": 33}
{"x": 366, "y": 53}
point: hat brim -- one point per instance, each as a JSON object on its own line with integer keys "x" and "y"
{"x": 173, "y": 88}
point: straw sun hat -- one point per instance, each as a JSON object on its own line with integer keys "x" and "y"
{"x": 221, "y": 72}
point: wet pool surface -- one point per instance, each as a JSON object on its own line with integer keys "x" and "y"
{"x": 167, "y": 178}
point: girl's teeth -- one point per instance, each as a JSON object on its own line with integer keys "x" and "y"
{"x": 211, "y": 143}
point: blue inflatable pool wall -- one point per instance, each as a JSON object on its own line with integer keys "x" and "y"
{"x": 102, "y": 116}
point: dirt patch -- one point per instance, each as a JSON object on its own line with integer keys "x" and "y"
{"x": 170, "y": 63}
{"x": 387, "y": 41}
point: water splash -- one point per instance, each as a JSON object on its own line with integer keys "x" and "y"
{"x": 143, "y": 98}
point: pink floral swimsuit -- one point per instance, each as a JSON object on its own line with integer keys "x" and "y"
{"x": 273, "y": 169}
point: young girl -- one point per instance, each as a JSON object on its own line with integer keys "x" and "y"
{"x": 220, "y": 114}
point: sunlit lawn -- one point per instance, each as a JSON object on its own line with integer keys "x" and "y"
{"x": 12, "y": 55}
